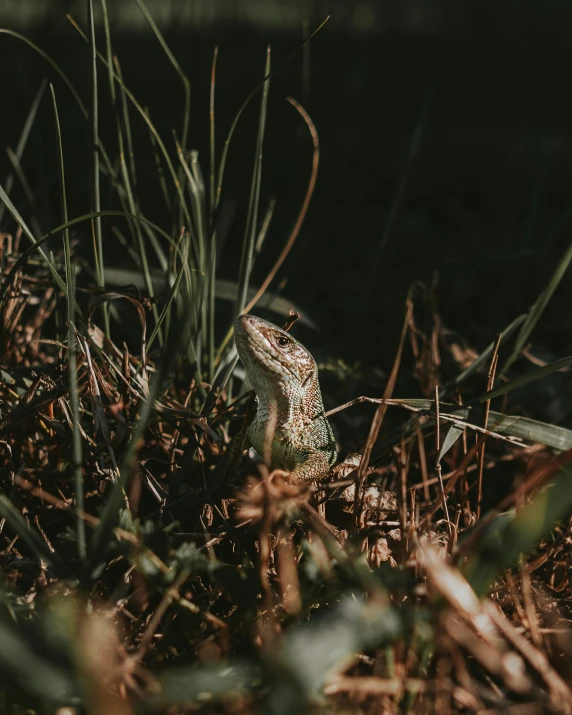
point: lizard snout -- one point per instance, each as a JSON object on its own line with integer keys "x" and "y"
{"x": 246, "y": 325}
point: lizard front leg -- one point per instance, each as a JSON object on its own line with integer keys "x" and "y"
{"x": 313, "y": 466}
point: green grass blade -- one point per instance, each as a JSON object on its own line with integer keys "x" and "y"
{"x": 24, "y": 183}
{"x": 517, "y": 533}
{"x": 538, "y": 308}
{"x": 207, "y": 246}
{"x": 197, "y": 202}
{"x": 108, "y": 165}
{"x": 130, "y": 249}
{"x": 30, "y": 536}
{"x": 108, "y": 52}
{"x": 48, "y": 59}
{"x": 77, "y": 454}
{"x": 129, "y": 181}
{"x": 23, "y": 140}
{"x": 160, "y": 171}
{"x": 244, "y": 105}
{"x": 203, "y": 218}
{"x": 184, "y": 79}
{"x": 124, "y": 188}
{"x": 157, "y": 248}
{"x": 212, "y": 140}
{"x": 529, "y": 377}
{"x": 224, "y": 371}
{"x": 484, "y": 357}
{"x": 249, "y": 239}
{"x": 127, "y": 127}
{"x": 212, "y": 189}
{"x": 93, "y": 120}
{"x": 199, "y": 240}
{"x": 120, "y": 189}
{"x": 211, "y": 309}
{"x": 30, "y": 236}
{"x": 453, "y": 434}
{"x": 38, "y": 245}
{"x": 523, "y": 428}
{"x": 152, "y": 129}
{"x": 34, "y": 671}
{"x": 111, "y": 513}
{"x": 168, "y": 303}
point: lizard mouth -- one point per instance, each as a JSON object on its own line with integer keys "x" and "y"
{"x": 244, "y": 333}
{"x": 252, "y": 343}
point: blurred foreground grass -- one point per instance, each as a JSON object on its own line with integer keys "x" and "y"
{"x": 141, "y": 572}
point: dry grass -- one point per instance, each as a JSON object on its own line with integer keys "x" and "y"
{"x": 226, "y": 589}
{"x": 147, "y": 566}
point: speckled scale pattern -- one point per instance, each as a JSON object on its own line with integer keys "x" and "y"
{"x": 284, "y": 376}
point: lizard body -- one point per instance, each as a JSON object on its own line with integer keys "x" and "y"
{"x": 290, "y": 415}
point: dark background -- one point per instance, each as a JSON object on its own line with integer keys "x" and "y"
{"x": 464, "y": 105}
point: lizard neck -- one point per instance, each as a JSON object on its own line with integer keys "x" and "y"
{"x": 295, "y": 405}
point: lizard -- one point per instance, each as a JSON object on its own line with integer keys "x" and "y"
{"x": 290, "y": 430}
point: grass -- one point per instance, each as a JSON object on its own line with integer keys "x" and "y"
{"x": 142, "y": 570}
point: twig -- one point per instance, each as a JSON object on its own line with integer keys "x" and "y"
{"x": 560, "y": 693}
{"x": 303, "y": 211}
{"x": 481, "y": 454}
{"x": 422, "y": 460}
{"x": 378, "y": 417}
{"x": 438, "y": 465}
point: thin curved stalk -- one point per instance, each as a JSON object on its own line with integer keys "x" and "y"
{"x": 77, "y": 454}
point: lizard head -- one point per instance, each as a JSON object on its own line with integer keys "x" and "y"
{"x": 273, "y": 359}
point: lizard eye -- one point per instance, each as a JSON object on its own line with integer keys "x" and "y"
{"x": 282, "y": 341}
